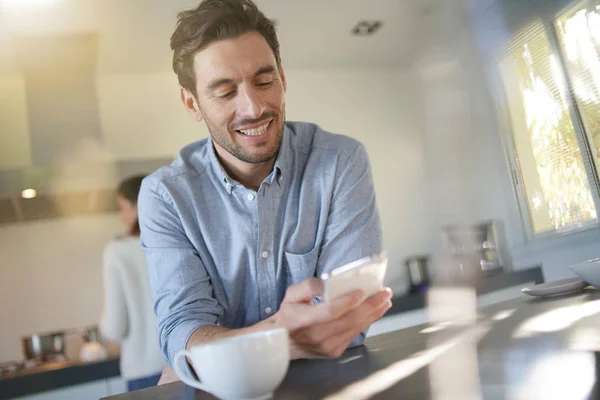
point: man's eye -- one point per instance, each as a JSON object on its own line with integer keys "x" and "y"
{"x": 226, "y": 95}
{"x": 265, "y": 84}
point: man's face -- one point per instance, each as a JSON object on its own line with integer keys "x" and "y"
{"x": 240, "y": 93}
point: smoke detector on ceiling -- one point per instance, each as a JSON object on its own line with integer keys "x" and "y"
{"x": 366, "y": 28}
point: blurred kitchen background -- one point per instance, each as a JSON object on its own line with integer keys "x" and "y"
{"x": 472, "y": 111}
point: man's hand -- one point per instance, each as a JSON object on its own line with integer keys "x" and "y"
{"x": 167, "y": 376}
{"x": 322, "y": 330}
{"x": 326, "y": 329}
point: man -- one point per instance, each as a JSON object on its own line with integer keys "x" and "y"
{"x": 237, "y": 229}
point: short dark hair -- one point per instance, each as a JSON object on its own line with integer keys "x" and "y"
{"x": 129, "y": 189}
{"x": 211, "y": 21}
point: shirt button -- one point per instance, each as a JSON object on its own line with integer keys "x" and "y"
{"x": 265, "y": 254}
{"x": 250, "y": 196}
{"x": 268, "y": 310}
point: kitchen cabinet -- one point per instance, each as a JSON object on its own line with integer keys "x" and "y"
{"x": 90, "y": 390}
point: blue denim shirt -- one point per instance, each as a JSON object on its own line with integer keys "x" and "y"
{"x": 221, "y": 254}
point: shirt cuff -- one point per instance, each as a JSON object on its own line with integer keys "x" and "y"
{"x": 179, "y": 336}
{"x": 358, "y": 340}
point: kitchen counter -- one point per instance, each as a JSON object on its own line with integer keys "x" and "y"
{"x": 67, "y": 373}
{"x": 510, "y": 352}
{"x": 56, "y": 375}
{"x": 492, "y": 283}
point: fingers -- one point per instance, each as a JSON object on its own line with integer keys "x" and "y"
{"x": 379, "y": 297}
{"x": 332, "y": 337}
{"x": 298, "y": 312}
{"x": 302, "y": 315}
{"x": 334, "y": 309}
{"x": 304, "y": 291}
{"x": 357, "y": 319}
{"x": 327, "y": 328}
{"x": 369, "y": 311}
{"x": 167, "y": 376}
{"x": 378, "y": 311}
{"x": 336, "y": 344}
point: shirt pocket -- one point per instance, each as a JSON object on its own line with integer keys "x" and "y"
{"x": 299, "y": 267}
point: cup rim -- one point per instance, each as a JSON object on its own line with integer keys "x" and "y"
{"x": 592, "y": 261}
{"x": 240, "y": 338}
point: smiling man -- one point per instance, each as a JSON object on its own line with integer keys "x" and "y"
{"x": 239, "y": 227}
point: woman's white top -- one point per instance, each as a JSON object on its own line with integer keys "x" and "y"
{"x": 128, "y": 315}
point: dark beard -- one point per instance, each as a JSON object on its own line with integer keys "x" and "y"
{"x": 238, "y": 152}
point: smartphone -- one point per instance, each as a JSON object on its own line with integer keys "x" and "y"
{"x": 366, "y": 274}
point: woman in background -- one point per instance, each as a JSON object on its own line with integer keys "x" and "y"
{"x": 128, "y": 315}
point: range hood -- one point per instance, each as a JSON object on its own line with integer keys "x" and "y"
{"x": 66, "y": 190}
{"x": 71, "y": 170}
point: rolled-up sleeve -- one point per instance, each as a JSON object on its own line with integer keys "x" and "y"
{"x": 353, "y": 226}
{"x": 180, "y": 285}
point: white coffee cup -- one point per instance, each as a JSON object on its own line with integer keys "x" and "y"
{"x": 249, "y": 366}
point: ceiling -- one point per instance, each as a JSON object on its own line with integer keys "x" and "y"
{"x": 134, "y": 34}
{"x": 132, "y": 37}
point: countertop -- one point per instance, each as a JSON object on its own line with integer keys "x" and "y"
{"x": 525, "y": 348}
{"x": 491, "y": 283}
{"x": 55, "y": 375}
{"x": 68, "y": 373}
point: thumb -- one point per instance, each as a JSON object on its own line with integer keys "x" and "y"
{"x": 304, "y": 291}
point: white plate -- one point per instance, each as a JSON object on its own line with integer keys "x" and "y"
{"x": 554, "y": 288}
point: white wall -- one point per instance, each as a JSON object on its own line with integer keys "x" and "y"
{"x": 458, "y": 131}
{"x": 465, "y": 161}
{"x": 50, "y": 271}
{"x": 378, "y": 108}
{"x": 142, "y": 116}
{"x": 14, "y": 126}
{"x": 51, "y": 276}
{"x": 555, "y": 254}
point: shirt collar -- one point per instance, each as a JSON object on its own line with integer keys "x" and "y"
{"x": 224, "y": 179}
{"x": 283, "y": 162}
{"x": 281, "y": 167}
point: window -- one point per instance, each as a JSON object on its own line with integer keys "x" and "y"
{"x": 550, "y": 72}
{"x": 579, "y": 36}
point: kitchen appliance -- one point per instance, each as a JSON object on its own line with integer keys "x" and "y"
{"x": 91, "y": 334}
{"x": 49, "y": 350}
{"x": 417, "y": 268}
{"x": 9, "y": 368}
{"x": 17, "y": 368}
{"x": 474, "y": 251}
{"x": 495, "y": 255}
{"x": 44, "y": 347}
{"x": 93, "y": 349}
{"x": 481, "y": 246}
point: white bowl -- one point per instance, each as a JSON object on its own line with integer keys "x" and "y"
{"x": 589, "y": 271}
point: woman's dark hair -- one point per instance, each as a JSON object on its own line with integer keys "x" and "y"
{"x": 129, "y": 189}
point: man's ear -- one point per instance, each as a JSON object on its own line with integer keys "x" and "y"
{"x": 190, "y": 103}
{"x": 282, "y": 74}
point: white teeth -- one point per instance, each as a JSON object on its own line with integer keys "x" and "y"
{"x": 256, "y": 131}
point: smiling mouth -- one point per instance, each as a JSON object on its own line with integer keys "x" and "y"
{"x": 258, "y": 131}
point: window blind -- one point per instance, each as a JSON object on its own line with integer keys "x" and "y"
{"x": 554, "y": 155}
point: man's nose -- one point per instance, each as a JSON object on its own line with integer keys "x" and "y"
{"x": 250, "y": 104}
